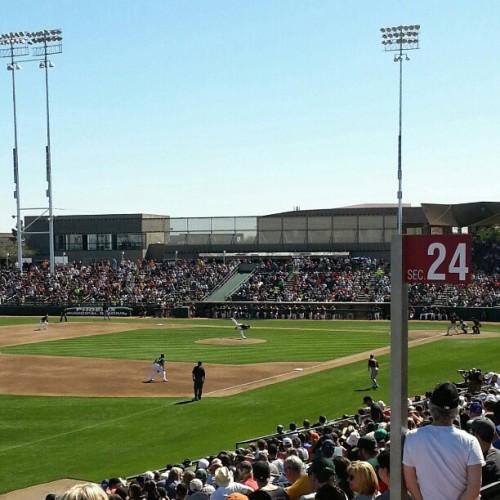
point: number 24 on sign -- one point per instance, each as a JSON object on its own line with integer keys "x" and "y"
{"x": 437, "y": 258}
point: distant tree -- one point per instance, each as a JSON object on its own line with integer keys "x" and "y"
{"x": 486, "y": 249}
{"x": 488, "y": 235}
{"x": 8, "y": 249}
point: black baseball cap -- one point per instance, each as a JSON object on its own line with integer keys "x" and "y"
{"x": 445, "y": 395}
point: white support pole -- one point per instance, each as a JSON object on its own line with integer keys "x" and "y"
{"x": 399, "y": 366}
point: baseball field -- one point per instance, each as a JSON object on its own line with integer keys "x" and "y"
{"x": 73, "y": 403}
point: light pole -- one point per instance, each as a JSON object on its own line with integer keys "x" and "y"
{"x": 47, "y": 39}
{"x": 399, "y": 39}
{"x": 17, "y": 49}
{"x": 13, "y": 67}
{"x": 17, "y": 46}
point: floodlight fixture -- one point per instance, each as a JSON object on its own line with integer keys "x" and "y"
{"x": 49, "y": 41}
{"x": 402, "y": 37}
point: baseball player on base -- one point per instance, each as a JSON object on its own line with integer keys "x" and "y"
{"x": 241, "y": 327}
{"x": 158, "y": 366}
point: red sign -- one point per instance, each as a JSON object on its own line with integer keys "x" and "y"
{"x": 437, "y": 259}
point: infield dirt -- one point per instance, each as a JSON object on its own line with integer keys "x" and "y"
{"x": 33, "y": 375}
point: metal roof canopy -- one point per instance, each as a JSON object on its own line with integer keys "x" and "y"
{"x": 482, "y": 213}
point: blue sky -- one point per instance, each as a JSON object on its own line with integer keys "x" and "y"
{"x": 218, "y": 108}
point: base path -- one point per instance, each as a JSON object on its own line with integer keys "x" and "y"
{"x": 31, "y": 375}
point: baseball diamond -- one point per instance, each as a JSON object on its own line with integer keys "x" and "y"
{"x": 321, "y": 363}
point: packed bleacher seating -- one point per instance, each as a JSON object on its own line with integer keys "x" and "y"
{"x": 128, "y": 283}
{"x": 299, "y": 280}
{"x": 347, "y": 457}
{"x": 340, "y": 279}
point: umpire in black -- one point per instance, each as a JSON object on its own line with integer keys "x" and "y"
{"x": 199, "y": 380}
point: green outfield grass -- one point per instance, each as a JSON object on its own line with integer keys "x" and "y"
{"x": 44, "y": 439}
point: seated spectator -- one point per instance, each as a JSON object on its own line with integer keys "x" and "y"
{"x": 474, "y": 411}
{"x": 262, "y": 475}
{"x": 174, "y": 478}
{"x": 341, "y": 466}
{"x": 88, "y": 491}
{"x": 162, "y": 492}
{"x": 274, "y": 458}
{"x": 237, "y": 496}
{"x": 195, "y": 493}
{"x": 384, "y": 473}
{"x": 212, "y": 469}
{"x": 202, "y": 475}
{"x": 181, "y": 491}
{"x": 245, "y": 475}
{"x": 135, "y": 491}
{"x": 293, "y": 468}
{"x": 226, "y": 485}
{"x": 485, "y": 432}
{"x": 329, "y": 491}
{"x": 496, "y": 421}
{"x": 187, "y": 476}
{"x": 320, "y": 472}
{"x": 367, "y": 450}
{"x": 381, "y": 436}
{"x": 363, "y": 480}
{"x": 113, "y": 484}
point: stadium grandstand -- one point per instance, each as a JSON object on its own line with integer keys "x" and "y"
{"x": 323, "y": 264}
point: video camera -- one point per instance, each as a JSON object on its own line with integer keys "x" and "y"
{"x": 468, "y": 375}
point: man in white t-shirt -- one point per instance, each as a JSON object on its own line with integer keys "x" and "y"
{"x": 440, "y": 461}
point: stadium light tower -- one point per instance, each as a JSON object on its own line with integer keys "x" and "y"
{"x": 15, "y": 45}
{"x": 50, "y": 41}
{"x": 400, "y": 39}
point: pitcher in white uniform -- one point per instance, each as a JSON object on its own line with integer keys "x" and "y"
{"x": 241, "y": 327}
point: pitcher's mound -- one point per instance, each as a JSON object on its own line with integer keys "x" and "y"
{"x": 230, "y": 341}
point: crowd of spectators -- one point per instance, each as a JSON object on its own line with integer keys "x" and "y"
{"x": 483, "y": 291}
{"x": 346, "y": 279}
{"x": 299, "y": 280}
{"x": 358, "y": 279}
{"x": 328, "y": 279}
{"x": 126, "y": 283}
{"x": 344, "y": 458}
